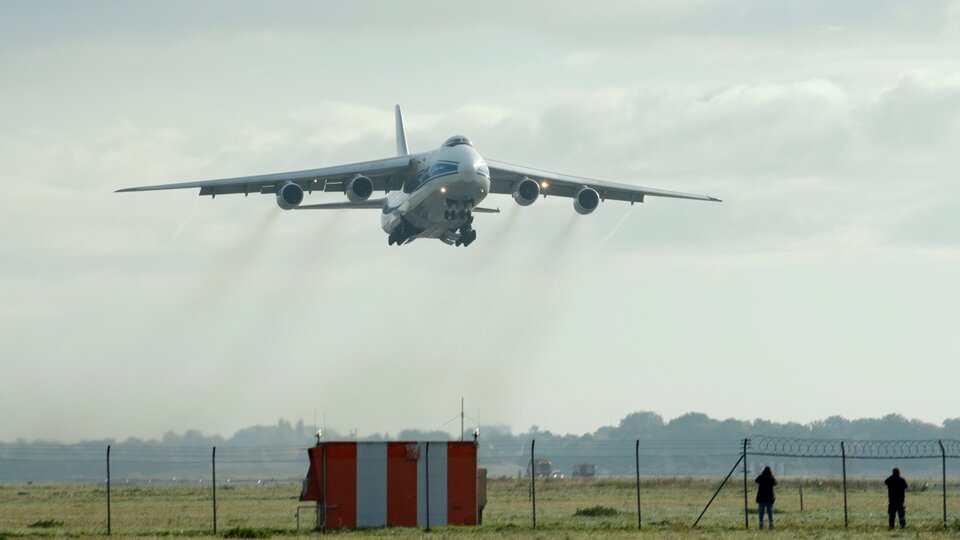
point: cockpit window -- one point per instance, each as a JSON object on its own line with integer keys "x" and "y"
{"x": 457, "y": 140}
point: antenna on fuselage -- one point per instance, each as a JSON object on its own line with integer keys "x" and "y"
{"x": 401, "y": 136}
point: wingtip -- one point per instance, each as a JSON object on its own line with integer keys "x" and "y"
{"x": 714, "y": 199}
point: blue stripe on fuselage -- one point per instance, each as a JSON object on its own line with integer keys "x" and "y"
{"x": 436, "y": 170}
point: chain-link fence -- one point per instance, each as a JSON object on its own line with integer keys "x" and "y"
{"x": 550, "y": 484}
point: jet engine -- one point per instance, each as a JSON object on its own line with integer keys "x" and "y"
{"x": 527, "y": 192}
{"x": 359, "y": 189}
{"x": 586, "y": 200}
{"x": 289, "y": 196}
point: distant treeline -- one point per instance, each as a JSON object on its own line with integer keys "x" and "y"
{"x": 646, "y": 426}
{"x": 691, "y": 445}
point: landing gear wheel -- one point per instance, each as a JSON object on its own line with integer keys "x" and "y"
{"x": 467, "y": 236}
{"x": 397, "y": 236}
{"x": 471, "y": 236}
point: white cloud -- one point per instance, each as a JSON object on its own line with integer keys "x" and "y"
{"x": 828, "y": 129}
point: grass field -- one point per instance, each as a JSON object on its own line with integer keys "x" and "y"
{"x": 669, "y": 508}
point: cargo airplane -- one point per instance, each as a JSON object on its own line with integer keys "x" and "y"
{"x": 431, "y": 194}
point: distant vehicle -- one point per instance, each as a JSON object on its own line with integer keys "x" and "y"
{"x": 430, "y": 194}
{"x": 584, "y": 470}
{"x": 543, "y": 468}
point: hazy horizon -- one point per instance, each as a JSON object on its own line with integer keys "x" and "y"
{"x": 825, "y": 283}
{"x": 349, "y": 433}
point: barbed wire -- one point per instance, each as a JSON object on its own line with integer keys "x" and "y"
{"x": 835, "y": 448}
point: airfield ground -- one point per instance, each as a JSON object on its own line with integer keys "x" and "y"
{"x": 669, "y": 509}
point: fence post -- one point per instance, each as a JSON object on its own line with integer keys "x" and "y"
{"x": 109, "y": 524}
{"x": 843, "y": 457}
{"x": 746, "y": 509}
{"x": 426, "y": 470}
{"x": 717, "y": 492}
{"x": 943, "y": 470}
{"x": 801, "y": 496}
{"x": 533, "y": 480}
{"x": 639, "y": 515}
{"x": 213, "y": 464}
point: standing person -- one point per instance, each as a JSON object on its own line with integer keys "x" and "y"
{"x": 765, "y": 496}
{"x": 896, "y": 494}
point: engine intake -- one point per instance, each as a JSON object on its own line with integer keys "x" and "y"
{"x": 586, "y": 200}
{"x": 289, "y": 196}
{"x": 526, "y": 192}
{"x": 359, "y": 189}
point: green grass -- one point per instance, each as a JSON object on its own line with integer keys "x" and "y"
{"x": 596, "y": 511}
{"x": 246, "y": 532}
{"x": 575, "y": 508}
{"x": 46, "y": 524}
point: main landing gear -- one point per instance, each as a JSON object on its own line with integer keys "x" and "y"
{"x": 402, "y": 233}
{"x": 467, "y": 234}
{"x": 396, "y": 237}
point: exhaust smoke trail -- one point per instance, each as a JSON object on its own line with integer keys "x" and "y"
{"x": 176, "y": 234}
{"x": 235, "y": 263}
{"x": 623, "y": 219}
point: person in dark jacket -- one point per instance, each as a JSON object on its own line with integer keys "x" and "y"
{"x": 896, "y": 495}
{"x": 765, "y": 496}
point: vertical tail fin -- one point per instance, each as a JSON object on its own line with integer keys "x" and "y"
{"x": 401, "y": 136}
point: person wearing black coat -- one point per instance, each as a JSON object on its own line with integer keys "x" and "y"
{"x": 765, "y": 496}
{"x": 896, "y": 495}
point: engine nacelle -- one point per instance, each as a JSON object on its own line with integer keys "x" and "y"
{"x": 586, "y": 200}
{"x": 289, "y": 196}
{"x": 527, "y": 192}
{"x": 359, "y": 189}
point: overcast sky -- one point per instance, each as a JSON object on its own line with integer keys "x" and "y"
{"x": 826, "y": 283}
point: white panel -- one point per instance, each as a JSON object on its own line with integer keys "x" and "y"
{"x": 371, "y": 484}
{"x": 438, "y": 485}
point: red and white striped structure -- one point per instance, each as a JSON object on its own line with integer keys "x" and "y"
{"x": 395, "y": 484}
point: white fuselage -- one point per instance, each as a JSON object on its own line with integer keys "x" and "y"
{"x": 449, "y": 182}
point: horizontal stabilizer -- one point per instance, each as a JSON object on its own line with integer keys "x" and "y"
{"x": 482, "y": 210}
{"x": 371, "y": 204}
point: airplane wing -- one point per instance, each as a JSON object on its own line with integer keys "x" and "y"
{"x": 504, "y": 178}
{"x": 386, "y": 174}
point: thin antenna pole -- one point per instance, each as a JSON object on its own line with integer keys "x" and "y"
{"x": 461, "y": 418}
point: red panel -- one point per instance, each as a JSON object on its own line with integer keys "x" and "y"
{"x": 341, "y": 485}
{"x": 402, "y": 484}
{"x": 461, "y": 483}
{"x": 311, "y": 492}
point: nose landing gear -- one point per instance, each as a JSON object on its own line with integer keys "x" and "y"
{"x": 458, "y": 210}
